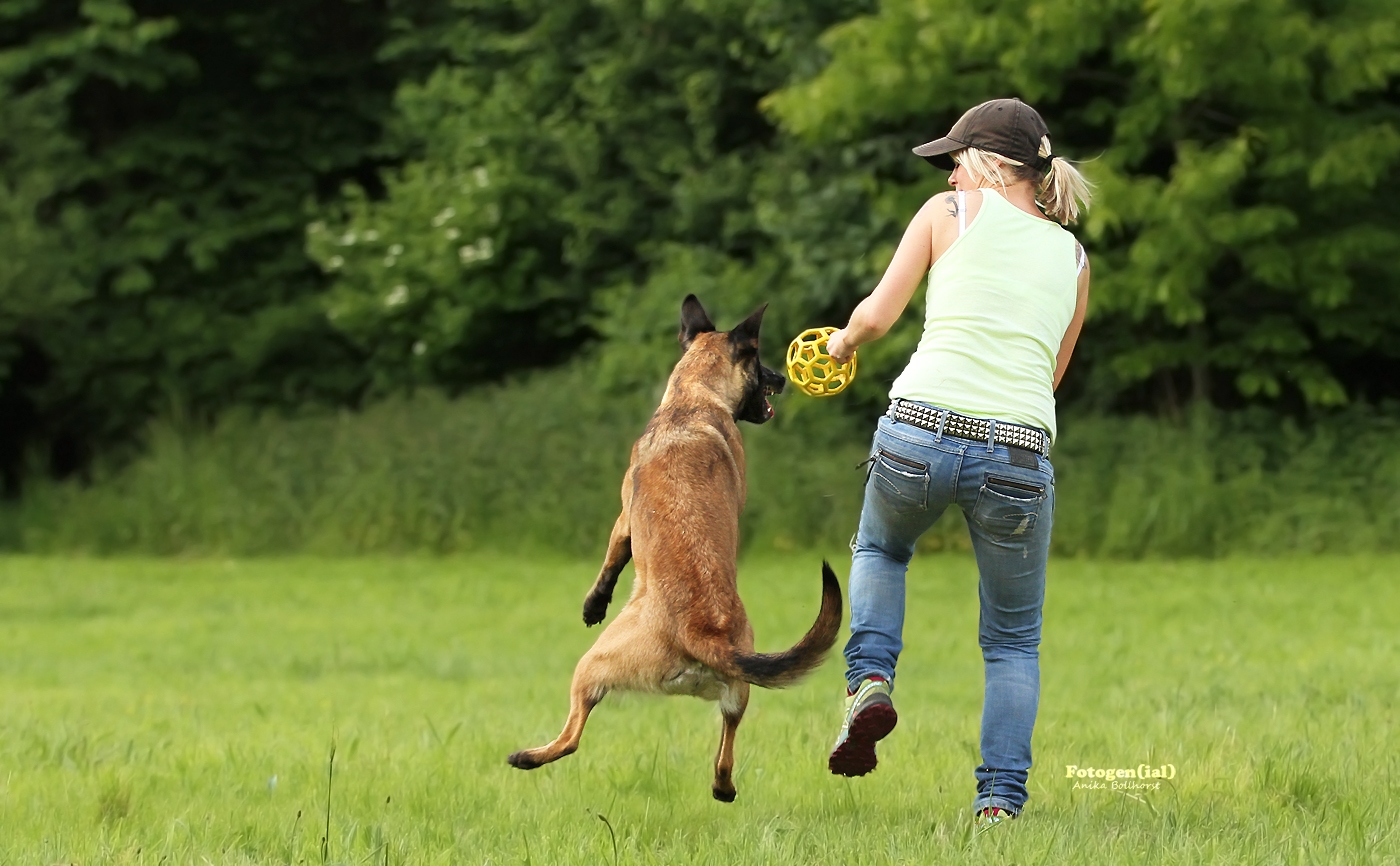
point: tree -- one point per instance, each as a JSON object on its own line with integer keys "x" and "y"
{"x": 156, "y": 163}
{"x": 568, "y": 155}
{"x": 1245, "y": 240}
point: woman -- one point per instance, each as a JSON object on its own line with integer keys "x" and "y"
{"x": 970, "y": 424}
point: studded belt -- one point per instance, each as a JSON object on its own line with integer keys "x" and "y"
{"x": 979, "y": 429}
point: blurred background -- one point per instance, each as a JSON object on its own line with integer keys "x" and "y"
{"x": 350, "y": 276}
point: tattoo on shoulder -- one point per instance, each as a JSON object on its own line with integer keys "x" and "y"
{"x": 951, "y": 200}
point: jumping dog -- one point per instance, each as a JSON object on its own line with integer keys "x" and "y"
{"x": 684, "y": 630}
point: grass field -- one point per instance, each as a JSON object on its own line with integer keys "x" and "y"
{"x": 169, "y": 711}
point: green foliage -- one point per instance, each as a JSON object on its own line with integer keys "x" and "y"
{"x": 421, "y": 474}
{"x": 222, "y": 207}
{"x": 564, "y": 151}
{"x": 156, "y": 161}
{"x": 1227, "y": 483}
{"x": 538, "y": 463}
{"x": 1246, "y": 155}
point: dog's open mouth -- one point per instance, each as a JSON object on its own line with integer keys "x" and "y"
{"x": 767, "y": 404}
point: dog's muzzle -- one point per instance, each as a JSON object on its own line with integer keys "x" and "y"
{"x": 768, "y": 404}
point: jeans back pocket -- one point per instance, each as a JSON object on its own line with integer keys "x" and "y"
{"x": 901, "y": 480}
{"x": 1008, "y": 508}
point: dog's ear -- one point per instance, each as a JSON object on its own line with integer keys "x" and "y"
{"x": 746, "y": 332}
{"x": 694, "y": 320}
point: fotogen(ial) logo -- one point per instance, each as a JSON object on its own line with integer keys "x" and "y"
{"x": 1139, "y": 778}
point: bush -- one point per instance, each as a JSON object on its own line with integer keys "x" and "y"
{"x": 538, "y": 464}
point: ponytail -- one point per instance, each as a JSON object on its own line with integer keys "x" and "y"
{"x": 1063, "y": 191}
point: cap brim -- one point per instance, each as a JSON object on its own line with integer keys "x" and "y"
{"x": 936, "y": 152}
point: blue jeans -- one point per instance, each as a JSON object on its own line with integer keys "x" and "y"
{"x": 914, "y": 476}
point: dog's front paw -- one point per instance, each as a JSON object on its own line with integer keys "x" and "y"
{"x": 523, "y": 760}
{"x": 724, "y": 794}
{"x": 595, "y": 608}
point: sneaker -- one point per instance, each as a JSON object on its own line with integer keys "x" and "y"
{"x": 986, "y": 819}
{"x": 870, "y": 717}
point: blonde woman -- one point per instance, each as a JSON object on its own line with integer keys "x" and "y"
{"x": 970, "y": 424}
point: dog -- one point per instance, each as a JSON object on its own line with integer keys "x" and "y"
{"x": 684, "y": 630}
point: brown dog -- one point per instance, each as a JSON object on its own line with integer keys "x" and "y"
{"x": 684, "y": 630}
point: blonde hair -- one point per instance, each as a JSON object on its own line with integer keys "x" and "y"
{"x": 1061, "y": 192}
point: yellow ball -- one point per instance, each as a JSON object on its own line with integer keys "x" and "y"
{"x": 814, "y": 371}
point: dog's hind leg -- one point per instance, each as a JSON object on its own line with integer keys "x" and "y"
{"x": 595, "y": 604}
{"x": 731, "y": 705}
{"x": 586, "y": 692}
{"x": 622, "y": 651}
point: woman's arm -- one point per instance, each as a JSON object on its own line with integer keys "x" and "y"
{"x": 1072, "y": 332}
{"x": 878, "y": 312}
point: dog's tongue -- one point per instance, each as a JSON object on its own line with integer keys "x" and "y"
{"x": 767, "y": 408}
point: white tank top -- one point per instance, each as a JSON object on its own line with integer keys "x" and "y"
{"x": 999, "y": 301}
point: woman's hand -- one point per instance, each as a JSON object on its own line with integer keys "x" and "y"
{"x": 839, "y": 347}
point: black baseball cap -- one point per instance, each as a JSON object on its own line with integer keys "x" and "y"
{"x": 1007, "y": 127}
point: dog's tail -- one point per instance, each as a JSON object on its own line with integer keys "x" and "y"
{"x": 778, "y": 670}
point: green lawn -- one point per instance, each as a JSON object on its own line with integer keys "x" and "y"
{"x": 168, "y": 711}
